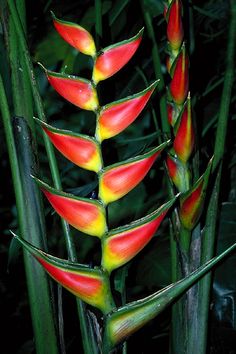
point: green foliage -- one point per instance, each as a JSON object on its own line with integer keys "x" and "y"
{"x": 150, "y": 271}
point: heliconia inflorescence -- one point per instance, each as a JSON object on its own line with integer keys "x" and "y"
{"x": 89, "y": 216}
{"x": 180, "y": 118}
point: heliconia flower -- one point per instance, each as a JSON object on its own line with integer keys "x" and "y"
{"x": 178, "y": 173}
{"x": 77, "y": 36}
{"x": 127, "y": 319}
{"x": 74, "y": 89}
{"x": 122, "y": 244}
{"x": 180, "y": 77}
{"x": 116, "y": 116}
{"x": 82, "y": 150}
{"x": 191, "y": 202}
{"x": 117, "y": 180}
{"x": 184, "y": 138}
{"x": 175, "y": 31}
{"x": 113, "y": 58}
{"x": 89, "y": 284}
{"x": 84, "y": 214}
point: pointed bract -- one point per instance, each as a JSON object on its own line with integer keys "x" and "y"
{"x": 78, "y": 91}
{"x": 179, "y": 85}
{"x": 87, "y": 283}
{"x": 175, "y": 32}
{"x": 113, "y": 58}
{"x": 178, "y": 173}
{"x": 80, "y": 149}
{"x": 119, "y": 179}
{"x": 192, "y": 202}
{"x": 126, "y": 320}
{"x": 84, "y": 214}
{"x": 77, "y": 36}
{"x": 117, "y": 116}
{"x": 123, "y": 243}
{"x": 184, "y": 138}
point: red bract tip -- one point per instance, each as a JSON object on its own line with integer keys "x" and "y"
{"x": 114, "y": 57}
{"x": 123, "y": 243}
{"x": 121, "y": 178}
{"x": 77, "y": 36}
{"x": 84, "y": 214}
{"x": 192, "y": 202}
{"x": 178, "y": 173}
{"x": 175, "y": 32}
{"x": 184, "y": 139}
{"x": 78, "y": 91}
{"x": 117, "y": 116}
{"x": 80, "y": 149}
{"x": 180, "y": 81}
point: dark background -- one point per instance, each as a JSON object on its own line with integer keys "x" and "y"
{"x": 206, "y": 31}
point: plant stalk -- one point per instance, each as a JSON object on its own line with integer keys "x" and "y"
{"x": 157, "y": 69}
{"x": 84, "y": 324}
{"x": 41, "y": 308}
{"x": 199, "y": 332}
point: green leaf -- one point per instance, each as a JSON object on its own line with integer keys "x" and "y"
{"x": 126, "y": 320}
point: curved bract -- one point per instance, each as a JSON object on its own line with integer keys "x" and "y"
{"x": 175, "y": 32}
{"x": 74, "y": 89}
{"x": 122, "y": 244}
{"x": 179, "y": 85}
{"x": 191, "y": 202}
{"x": 184, "y": 138}
{"x": 77, "y": 36}
{"x": 87, "y": 283}
{"x": 127, "y": 319}
{"x": 84, "y": 214}
{"x": 119, "y": 179}
{"x": 82, "y": 150}
{"x": 116, "y": 116}
{"x": 111, "y": 59}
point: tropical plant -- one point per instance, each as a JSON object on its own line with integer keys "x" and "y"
{"x": 107, "y": 314}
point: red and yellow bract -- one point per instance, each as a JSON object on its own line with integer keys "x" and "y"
{"x": 84, "y": 214}
{"x": 111, "y": 59}
{"x": 78, "y": 91}
{"x": 123, "y": 243}
{"x": 117, "y": 116}
{"x": 175, "y": 32}
{"x": 77, "y": 36}
{"x": 192, "y": 202}
{"x": 178, "y": 173}
{"x": 119, "y": 179}
{"x": 79, "y": 149}
{"x": 184, "y": 139}
{"x": 180, "y": 78}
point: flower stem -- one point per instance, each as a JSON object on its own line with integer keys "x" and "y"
{"x": 209, "y": 237}
{"x": 26, "y": 194}
{"x": 157, "y": 68}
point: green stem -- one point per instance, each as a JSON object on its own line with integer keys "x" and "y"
{"x": 41, "y": 308}
{"x": 157, "y": 69}
{"x": 209, "y": 237}
{"x": 85, "y": 329}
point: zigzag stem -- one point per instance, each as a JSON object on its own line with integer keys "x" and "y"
{"x": 111, "y": 302}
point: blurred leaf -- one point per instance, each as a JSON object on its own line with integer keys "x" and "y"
{"x": 117, "y": 8}
{"x": 156, "y": 7}
{"x": 153, "y": 267}
{"x": 50, "y": 54}
{"x": 225, "y": 275}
